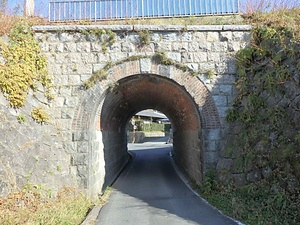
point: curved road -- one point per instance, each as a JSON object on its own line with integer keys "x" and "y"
{"x": 150, "y": 192}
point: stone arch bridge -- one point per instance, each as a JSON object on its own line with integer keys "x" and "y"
{"x": 85, "y": 143}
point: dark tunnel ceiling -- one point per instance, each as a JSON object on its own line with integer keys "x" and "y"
{"x": 135, "y": 93}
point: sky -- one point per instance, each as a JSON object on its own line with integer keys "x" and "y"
{"x": 41, "y": 6}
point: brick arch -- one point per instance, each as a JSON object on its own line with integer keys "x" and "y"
{"x": 139, "y": 92}
{"x": 194, "y": 86}
{"x": 89, "y": 137}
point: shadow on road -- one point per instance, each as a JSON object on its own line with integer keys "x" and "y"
{"x": 149, "y": 191}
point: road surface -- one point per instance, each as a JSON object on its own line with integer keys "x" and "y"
{"x": 150, "y": 192}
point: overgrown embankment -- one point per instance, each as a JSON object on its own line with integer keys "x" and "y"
{"x": 262, "y": 156}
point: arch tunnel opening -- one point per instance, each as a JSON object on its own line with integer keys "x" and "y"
{"x": 149, "y": 125}
{"x": 135, "y": 93}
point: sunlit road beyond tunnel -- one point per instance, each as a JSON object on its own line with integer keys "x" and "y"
{"x": 150, "y": 192}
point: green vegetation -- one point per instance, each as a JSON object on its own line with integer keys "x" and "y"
{"x": 106, "y": 37}
{"x": 39, "y": 115}
{"x": 31, "y": 206}
{"x": 253, "y": 204}
{"x": 21, "y": 118}
{"x": 23, "y": 67}
{"x": 158, "y": 57}
{"x": 153, "y": 127}
{"x": 144, "y": 37}
{"x": 266, "y": 115}
{"x": 148, "y": 127}
{"x": 97, "y": 76}
{"x": 161, "y": 58}
{"x": 210, "y": 74}
{"x": 281, "y": 18}
{"x": 101, "y": 74}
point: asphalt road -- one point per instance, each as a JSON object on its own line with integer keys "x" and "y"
{"x": 150, "y": 192}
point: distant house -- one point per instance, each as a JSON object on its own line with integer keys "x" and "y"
{"x": 149, "y": 123}
{"x": 151, "y": 116}
{"x": 149, "y": 120}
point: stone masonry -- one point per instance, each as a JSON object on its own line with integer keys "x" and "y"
{"x": 73, "y": 149}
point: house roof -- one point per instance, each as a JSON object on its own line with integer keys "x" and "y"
{"x": 151, "y": 113}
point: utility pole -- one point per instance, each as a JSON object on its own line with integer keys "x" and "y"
{"x": 29, "y": 8}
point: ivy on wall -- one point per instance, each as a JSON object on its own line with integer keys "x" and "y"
{"x": 268, "y": 70}
{"x": 265, "y": 117}
{"x": 107, "y": 37}
{"x": 24, "y": 67}
{"x": 158, "y": 58}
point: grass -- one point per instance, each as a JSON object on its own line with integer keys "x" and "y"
{"x": 253, "y": 204}
{"x": 8, "y": 21}
{"x": 193, "y": 20}
{"x": 282, "y": 18}
{"x": 30, "y": 206}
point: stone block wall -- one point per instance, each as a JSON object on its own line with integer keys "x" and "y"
{"x": 189, "y": 160}
{"x": 31, "y": 153}
{"x": 68, "y": 147}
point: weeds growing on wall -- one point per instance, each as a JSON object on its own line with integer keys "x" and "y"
{"x": 158, "y": 57}
{"x": 144, "y": 37}
{"x": 39, "y": 115}
{"x": 23, "y": 67}
{"x": 266, "y": 120}
{"x": 266, "y": 107}
{"x": 101, "y": 74}
{"x": 106, "y": 37}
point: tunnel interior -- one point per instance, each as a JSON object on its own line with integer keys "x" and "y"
{"x": 139, "y": 92}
